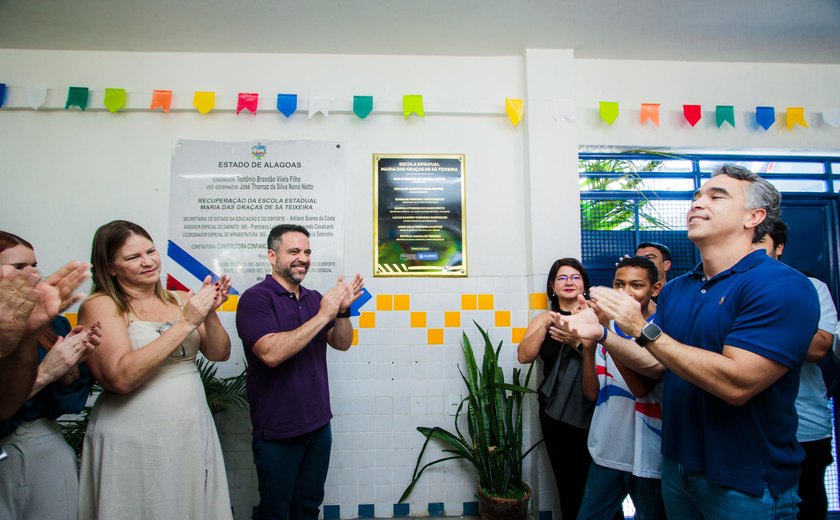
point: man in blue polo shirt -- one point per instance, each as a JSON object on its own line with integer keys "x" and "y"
{"x": 285, "y": 329}
{"x": 732, "y": 336}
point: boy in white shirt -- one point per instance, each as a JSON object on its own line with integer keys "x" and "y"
{"x": 626, "y": 430}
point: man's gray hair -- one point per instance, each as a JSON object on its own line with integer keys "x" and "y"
{"x": 760, "y": 194}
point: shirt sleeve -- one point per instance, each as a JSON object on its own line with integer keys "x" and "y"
{"x": 828, "y": 312}
{"x": 777, "y": 319}
{"x": 255, "y": 317}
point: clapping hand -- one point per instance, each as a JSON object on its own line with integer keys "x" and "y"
{"x": 55, "y": 294}
{"x": 67, "y": 353}
{"x": 18, "y": 297}
{"x": 223, "y": 293}
{"x": 200, "y": 304}
{"x": 583, "y": 323}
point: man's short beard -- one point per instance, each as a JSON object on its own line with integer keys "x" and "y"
{"x": 287, "y": 274}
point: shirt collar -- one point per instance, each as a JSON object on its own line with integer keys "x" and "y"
{"x": 303, "y": 290}
{"x": 746, "y": 263}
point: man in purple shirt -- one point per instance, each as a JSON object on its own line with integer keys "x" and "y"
{"x": 285, "y": 329}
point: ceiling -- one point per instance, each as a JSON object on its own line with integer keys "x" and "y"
{"x": 802, "y": 31}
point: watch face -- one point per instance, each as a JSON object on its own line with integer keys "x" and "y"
{"x": 651, "y": 331}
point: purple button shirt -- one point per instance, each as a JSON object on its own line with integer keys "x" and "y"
{"x": 292, "y": 398}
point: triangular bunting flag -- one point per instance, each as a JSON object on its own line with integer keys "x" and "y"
{"x": 413, "y": 104}
{"x": 77, "y": 97}
{"x": 287, "y": 104}
{"x": 765, "y": 117}
{"x": 362, "y": 105}
{"x": 114, "y": 99}
{"x": 247, "y": 101}
{"x": 36, "y": 96}
{"x": 831, "y": 116}
{"x": 650, "y": 112}
{"x": 795, "y": 116}
{"x": 513, "y": 107}
{"x": 319, "y": 104}
{"x": 563, "y": 108}
{"x": 204, "y": 102}
{"x": 692, "y": 114}
{"x": 2, "y": 94}
{"x": 725, "y": 114}
{"x": 161, "y": 99}
{"x": 609, "y": 111}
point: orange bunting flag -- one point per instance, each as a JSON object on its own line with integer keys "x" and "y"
{"x": 795, "y": 116}
{"x": 692, "y": 114}
{"x": 609, "y": 111}
{"x": 513, "y": 107}
{"x": 247, "y": 101}
{"x": 204, "y": 101}
{"x": 161, "y": 99}
{"x": 650, "y": 112}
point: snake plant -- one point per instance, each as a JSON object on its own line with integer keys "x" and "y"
{"x": 493, "y": 441}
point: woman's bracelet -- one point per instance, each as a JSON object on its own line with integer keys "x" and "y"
{"x": 604, "y": 336}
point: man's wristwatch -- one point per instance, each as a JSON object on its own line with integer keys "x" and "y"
{"x": 345, "y": 314}
{"x": 650, "y": 332}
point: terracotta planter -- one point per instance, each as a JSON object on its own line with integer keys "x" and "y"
{"x": 495, "y": 508}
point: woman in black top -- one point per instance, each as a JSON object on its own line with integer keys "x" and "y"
{"x": 565, "y": 413}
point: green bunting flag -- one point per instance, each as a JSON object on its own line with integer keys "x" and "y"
{"x": 77, "y": 97}
{"x": 725, "y": 114}
{"x": 362, "y": 106}
{"x": 114, "y": 99}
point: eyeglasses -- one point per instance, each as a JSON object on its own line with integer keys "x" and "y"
{"x": 180, "y": 351}
{"x": 565, "y": 278}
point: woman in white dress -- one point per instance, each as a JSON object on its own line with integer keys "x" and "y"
{"x": 151, "y": 448}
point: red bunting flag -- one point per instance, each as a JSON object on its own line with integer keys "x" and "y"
{"x": 247, "y": 101}
{"x": 692, "y": 114}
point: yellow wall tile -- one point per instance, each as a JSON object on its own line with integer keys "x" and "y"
{"x": 402, "y": 302}
{"x": 539, "y": 301}
{"x": 503, "y": 318}
{"x": 384, "y": 302}
{"x": 73, "y": 318}
{"x": 367, "y": 320}
{"x": 435, "y": 336}
{"x": 230, "y": 305}
{"x": 516, "y": 334}
{"x": 418, "y": 319}
{"x": 355, "y": 337}
{"x": 485, "y": 302}
{"x": 468, "y": 302}
{"x": 452, "y": 319}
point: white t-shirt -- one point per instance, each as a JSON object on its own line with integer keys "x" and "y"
{"x": 626, "y": 432}
{"x": 811, "y": 402}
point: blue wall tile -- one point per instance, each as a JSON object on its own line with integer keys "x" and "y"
{"x": 332, "y": 513}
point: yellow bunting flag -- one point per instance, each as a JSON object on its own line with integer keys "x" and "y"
{"x": 513, "y": 107}
{"x": 204, "y": 101}
{"x": 650, "y": 112}
{"x": 114, "y": 99}
{"x": 413, "y": 104}
{"x": 795, "y": 116}
{"x": 609, "y": 111}
{"x": 161, "y": 99}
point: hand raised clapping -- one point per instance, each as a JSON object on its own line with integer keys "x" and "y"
{"x": 68, "y": 352}
{"x": 199, "y": 305}
{"x": 342, "y": 295}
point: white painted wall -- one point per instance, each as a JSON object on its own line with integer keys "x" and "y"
{"x": 64, "y": 173}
